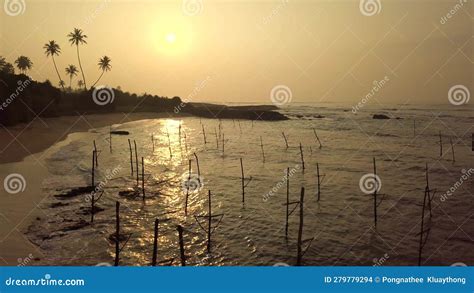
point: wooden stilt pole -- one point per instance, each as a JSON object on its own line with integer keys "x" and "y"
{"x": 263, "y": 151}
{"x": 155, "y": 244}
{"x": 110, "y": 139}
{"x": 198, "y": 169}
{"x": 131, "y": 157}
{"x": 153, "y": 142}
{"x": 204, "y": 134}
{"x": 94, "y": 154}
{"x": 300, "y": 230}
{"x": 181, "y": 246}
{"x": 136, "y": 159}
{"x": 319, "y": 181}
{"x": 286, "y": 140}
{"x": 243, "y": 180}
{"x": 302, "y": 157}
{"x": 92, "y": 206}
{"x": 143, "y": 177}
{"x": 187, "y": 191}
{"x": 117, "y": 233}
{"x": 96, "y": 157}
{"x": 316, "y": 135}
{"x": 209, "y": 223}
{"x": 375, "y": 193}
{"x": 287, "y": 200}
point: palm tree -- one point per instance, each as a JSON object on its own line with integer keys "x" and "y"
{"x": 104, "y": 65}
{"x": 62, "y": 83}
{"x": 6, "y": 67}
{"x": 24, "y": 64}
{"x": 76, "y": 37}
{"x": 71, "y": 70}
{"x": 80, "y": 83}
{"x": 51, "y": 49}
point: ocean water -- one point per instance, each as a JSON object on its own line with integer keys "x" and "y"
{"x": 341, "y": 223}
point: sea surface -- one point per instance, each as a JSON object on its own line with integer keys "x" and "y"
{"x": 340, "y": 224}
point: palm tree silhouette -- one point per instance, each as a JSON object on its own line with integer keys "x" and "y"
{"x": 24, "y": 64}
{"x": 104, "y": 65}
{"x": 77, "y": 37}
{"x": 51, "y": 49}
{"x": 71, "y": 70}
{"x": 80, "y": 83}
{"x": 62, "y": 83}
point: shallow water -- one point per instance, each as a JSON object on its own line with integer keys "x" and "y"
{"x": 254, "y": 233}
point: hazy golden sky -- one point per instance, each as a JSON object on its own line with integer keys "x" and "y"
{"x": 322, "y": 50}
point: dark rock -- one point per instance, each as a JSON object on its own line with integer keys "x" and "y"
{"x": 76, "y": 191}
{"x": 380, "y": 116}
{"x": 120, "y": 132}
{"x": 58, "y": 204}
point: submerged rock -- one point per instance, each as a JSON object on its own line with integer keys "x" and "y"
{"x": 380, "y": 116}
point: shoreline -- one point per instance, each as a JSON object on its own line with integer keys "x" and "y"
{"x": 19, "y": 143}
{"x": 25, "y": 156}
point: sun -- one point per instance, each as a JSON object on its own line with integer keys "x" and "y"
{"x": 170, "y": 38}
